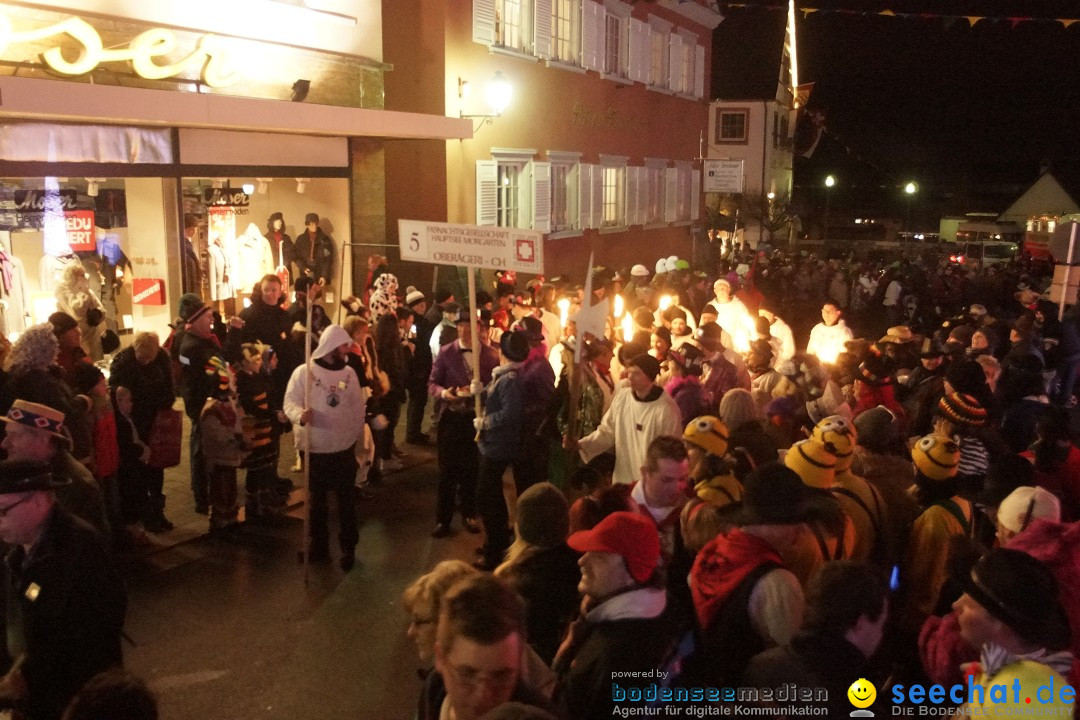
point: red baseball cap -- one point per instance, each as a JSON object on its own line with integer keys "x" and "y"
{"x": 628, "y": 534}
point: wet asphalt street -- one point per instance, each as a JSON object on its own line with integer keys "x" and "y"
{"x": 228, "y": 629}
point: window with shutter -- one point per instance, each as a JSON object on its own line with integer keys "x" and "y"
{"x": 653, "y": 192}
{"x": 487, "y": 201}
{"x": 541, "y": 196}
{"x": 564, "y": 190}
{"x": 484, "y": 22}
{"x": 633, "y": 204}
{"x": 592, "y": 35}
{"x": 597, "y": 200}
{"x": 674, "y": 63}
{"x": 542, "y": 31}
{"x": 640, "y": 59}
{"x": 699, "y": 72}
{"x": 671, "y": 194}
{"x": 566, "y": 23}
{"x": 585, "y": 174}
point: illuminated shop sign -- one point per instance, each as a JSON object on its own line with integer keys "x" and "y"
{"x": 209, "y": 55}
{"x": 227, "y": 197}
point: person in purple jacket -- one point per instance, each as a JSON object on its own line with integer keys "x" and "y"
{"x": 453, "y": 386}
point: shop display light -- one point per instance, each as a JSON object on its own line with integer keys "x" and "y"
{"x": 301, "y": 185}
{"x": 264, "y": 183}
{"x": 249, "y": 188}
{"x": 93, "y": 185}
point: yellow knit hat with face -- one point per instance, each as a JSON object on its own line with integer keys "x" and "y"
{"x": 936, "y": 456}
{"x": 838, "y": 435}
{"x": 813, "y": 462}
{"x": 708, "y": 433}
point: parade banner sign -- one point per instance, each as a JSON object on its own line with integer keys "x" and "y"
{"x": 480, "y": 246}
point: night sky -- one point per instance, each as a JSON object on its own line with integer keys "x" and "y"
{"x": 970, "y": 113}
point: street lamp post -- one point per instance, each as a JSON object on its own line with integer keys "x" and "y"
{"x": 909, "y": 190}
{"x": 829, "y": 182}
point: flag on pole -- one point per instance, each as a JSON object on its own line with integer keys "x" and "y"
{"x": 590, "y": 318}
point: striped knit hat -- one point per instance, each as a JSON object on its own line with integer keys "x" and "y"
{"x": 936, "y": 457}
{"x": 838, "y": 435}
{"x": 812, "y": 462}
{"x": 708, "y": 433}
{"x": 961, "y": 409}
{"x": 217, "y": 368}
{"x": 874, "y": 371}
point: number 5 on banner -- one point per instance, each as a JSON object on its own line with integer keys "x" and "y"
{"x": 414, "y": 243}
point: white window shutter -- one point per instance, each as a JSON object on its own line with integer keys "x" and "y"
{"x": 639, "y": 51}
{"x": 695, "y": 193}
{"x": 483, "y": 22}
{"x": 593, "y": 34}
{"x": 487, "y": 192}
{"x": 541, "y": 193}
{"x": 585, "y": 173}
{"x": 542, "y": 28}
{"x": 699, "y": 71}
{"x": 597, "y": 196}
{"x": 675, "y": 83}
{"x": 633, "y": 206}
{"x": 671, "y": 193}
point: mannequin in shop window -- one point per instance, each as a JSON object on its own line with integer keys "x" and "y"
{"x": 191, "y": 270}
{"x": 115, "y": 268}
{"x": 221, "y": 287}
{"x": 74, "y": 297}
{"x": 315, "y": 252}
{"x": 281, "y": 248}
{"x": 253, "y": 261}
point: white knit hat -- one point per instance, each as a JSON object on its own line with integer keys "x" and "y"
{"x": 413, "y": 296}
{"x": 639, "y": 271}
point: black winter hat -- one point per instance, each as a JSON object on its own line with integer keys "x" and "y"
{"x": 514, "y": 346}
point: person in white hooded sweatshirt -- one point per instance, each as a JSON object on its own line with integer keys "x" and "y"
{"x": 332, "y": 424}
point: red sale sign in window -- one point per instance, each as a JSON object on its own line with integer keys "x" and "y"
{"x": 148, "y": 291}
{"x": 80, "y": 230}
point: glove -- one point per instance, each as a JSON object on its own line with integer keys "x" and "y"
{"x": 478, "y": 423}
{"x": 475, "y": 387}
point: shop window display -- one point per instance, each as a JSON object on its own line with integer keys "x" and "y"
{"x": 100, "y": 249}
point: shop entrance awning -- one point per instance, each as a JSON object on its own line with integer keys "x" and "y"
{"x": 59, "y": 101}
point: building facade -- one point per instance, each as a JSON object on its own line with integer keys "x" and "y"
{"x": 119, "y": 120}
{"x": 597, "y": 147}
{"x": 752, "y": 119}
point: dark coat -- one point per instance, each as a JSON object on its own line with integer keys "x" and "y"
{"x": 316, "y": 260}
{"x": 547, "y": 580}
{"x": 584, "y": 686}
{"x": 65, "y": 612}
{"x": 195, "y": 385}
{"x": 151, "y": 386}
{"x": 811, "y": 660}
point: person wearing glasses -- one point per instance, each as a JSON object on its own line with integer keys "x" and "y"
{"x": 65, "y": 601}
{"x": 479, "y": 645}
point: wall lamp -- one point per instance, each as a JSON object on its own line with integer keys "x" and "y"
{"x": 497, "y": 93}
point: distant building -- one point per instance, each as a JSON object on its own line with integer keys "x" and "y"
{"x": 598, "y": 145}
{"x": 752, "y": 119}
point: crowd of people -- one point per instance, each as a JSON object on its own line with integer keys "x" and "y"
{"x": 720, "y": 484}
{"x": 754, "y": 494}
